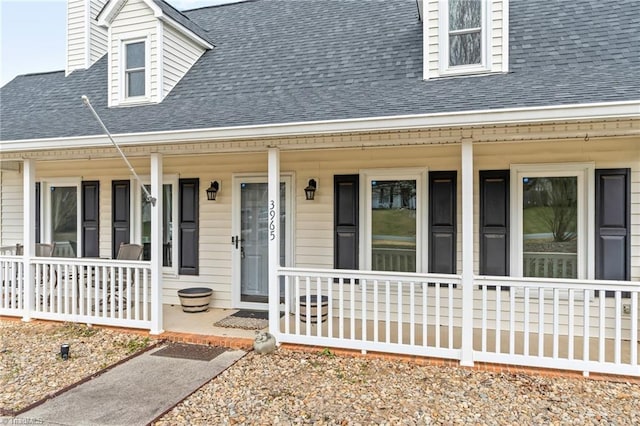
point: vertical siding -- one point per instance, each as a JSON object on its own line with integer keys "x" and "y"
{"x": 76, "y": 40}
{"x": 179, "y": 55}
{"x": 98, "y": 34}
{"x": 135, "y": 20}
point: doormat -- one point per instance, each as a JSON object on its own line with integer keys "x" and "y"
{"x": 245, "y": 319}
{"x": 245, "y": 313}
{"x": 190, "y": 351}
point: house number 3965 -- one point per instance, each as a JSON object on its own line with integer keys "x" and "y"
{"x": 272, "y": 220}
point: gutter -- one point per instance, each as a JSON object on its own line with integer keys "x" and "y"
{"x": 509, "y": 116}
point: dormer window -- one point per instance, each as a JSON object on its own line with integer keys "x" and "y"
{"x": 135, "y": 69}
{"x": 465, "y": 37}
{"x": 465, "y": 32}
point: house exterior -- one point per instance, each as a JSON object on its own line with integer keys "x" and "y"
{"x": 475, "y": 168}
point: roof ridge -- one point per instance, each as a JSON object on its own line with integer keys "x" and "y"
{"x": 211, "y": 6}
{"x": 31, "y": 74}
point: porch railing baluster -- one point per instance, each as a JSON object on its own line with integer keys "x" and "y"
{"x": 399, "y": 310}
{"x": 601, "y": 327}
{"x": 484, "y": 314}
{"x": 618, "y": 328}
{"x": 352, "y": 309}
{"x": 634, "y": 328}
{"x": 571, "y": 324}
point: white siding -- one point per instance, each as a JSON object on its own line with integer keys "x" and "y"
{"x": 180, "y": 53}
{"x": 10, "y": 208}
{"x": 313, "y": 220}
{"x": 82, "y": 28}
{"x": 76, "y": 35}
{"x": 135, "y": 20}
{"x": 497, "y": 20}
{"x": 432, "y": 33}
{"x": 98, "y": 34}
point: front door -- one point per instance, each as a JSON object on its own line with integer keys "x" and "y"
{"x": 249, "y": 239}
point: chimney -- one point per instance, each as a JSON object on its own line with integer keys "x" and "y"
{"x": 86, "y": 41}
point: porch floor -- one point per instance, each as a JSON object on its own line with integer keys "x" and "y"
{"x": 456, "y": 333}
{"x": 202, "y": 323}
{"x": 175, "y": 320}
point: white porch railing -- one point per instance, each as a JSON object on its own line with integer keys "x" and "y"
{"x": 558, "y": 323}
{"x": 377, "y": 311}
{"x": 588, "y": 326}
{"x": 95, "y": 291}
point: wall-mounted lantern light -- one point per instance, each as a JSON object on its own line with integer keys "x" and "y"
{"x": 212, "y": 191}
{"x": 310, "y": 190}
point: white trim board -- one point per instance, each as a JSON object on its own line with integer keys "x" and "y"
{"x": 613, "y": 110}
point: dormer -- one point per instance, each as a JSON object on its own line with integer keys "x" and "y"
{"x": 86, "y": 40}
{"x": 464, "y": 37}
{"x": 151, "y": 46}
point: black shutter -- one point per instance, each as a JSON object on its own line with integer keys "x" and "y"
{"x": 121, "y": 214}
{"x": 38, "y": 214}
{"x": 188, "y": 217}
{"x": 442, "y": 222}
{"x": 613, "y": 219}
{"x": 494, "y": 222}
{"x": 345, "y": 220}
{"x": 90, "y": 219}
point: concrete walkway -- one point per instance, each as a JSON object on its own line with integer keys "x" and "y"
{"x": 133, "y": 393}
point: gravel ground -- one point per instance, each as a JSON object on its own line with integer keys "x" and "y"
{"x": 30, "y": 363}
{"x": 290, "y": 387}
{"x": 303, "y": 388}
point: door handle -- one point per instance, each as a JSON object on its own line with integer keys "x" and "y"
{"x": 236, "y": 240}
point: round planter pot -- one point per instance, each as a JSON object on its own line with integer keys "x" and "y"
{"x": 195, "y": 299}
{"x": 314, "y": 309}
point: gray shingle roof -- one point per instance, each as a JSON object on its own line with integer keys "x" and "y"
{"x": 279, "y": 61}
{"x": 179, "y": 17}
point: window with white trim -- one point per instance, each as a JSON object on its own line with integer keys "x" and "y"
{"x": 142, "y": 227}
{"x": 463, "y": 35}
{"x": 394, "y": 215}
{"x": 135, "y": 69}
{"x": 552, "y": 235}
{"x": 465, "y": 32}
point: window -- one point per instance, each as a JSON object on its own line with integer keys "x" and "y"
{"x": 61, "y": 217}
{"x": 135, "y": 69}
{"x": 553, "y": 221}
{"x": 465, "y": 32}
{"x": 395, "y": 220}
{"x": 143, "y": 228}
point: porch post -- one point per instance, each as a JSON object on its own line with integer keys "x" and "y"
{"x": 467, "y": 253}
{"x": 28, "y": 233}
{"x": 274, "y": 240}
{"x": 156, "y": 245}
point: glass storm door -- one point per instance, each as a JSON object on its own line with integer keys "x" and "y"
{"x": 64, "y": 220}
{"x": 253, "y": 243}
